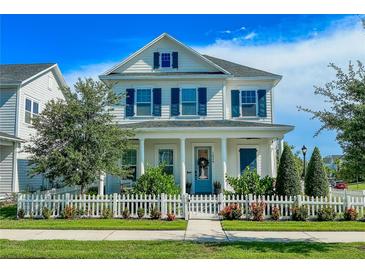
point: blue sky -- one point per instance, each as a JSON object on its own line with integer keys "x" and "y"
{"x": 299, "y": 47}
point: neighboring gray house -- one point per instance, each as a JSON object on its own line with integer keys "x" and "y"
{"x": 24, "y": 91}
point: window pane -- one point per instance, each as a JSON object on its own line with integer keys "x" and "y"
{"x": 249, "y": 110}
{"x": 188, "y": 95}
{"x": 35, "y": 107}
{"x": 27, "y": 117}
{"x": 129, "y": 157}
{"x": 143, "y": 109}
{"x": 143, "y": 96}
{"x": 165, "y": 60}
{"x": 28, "y": 105}
{"x": 169, "y": 170}
{"x": 248, "y": 96}
{"x": 189, "y": 109}
{"x": 166, "y": 156}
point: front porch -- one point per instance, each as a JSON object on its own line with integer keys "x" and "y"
{"x": 202, "y": 156}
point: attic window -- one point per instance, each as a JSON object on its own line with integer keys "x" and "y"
{"x": 165, "y": 60}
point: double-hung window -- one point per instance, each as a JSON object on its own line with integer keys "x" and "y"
{"x": 129, "y": 161}
{"x": 144, "y": 102}
{"x": 188, "y": 101}
{"x": 165, "y": 60}
{"x": 166, "y": 157}
{"x": 248, "y": 103}
{"x": 31, "y": 110}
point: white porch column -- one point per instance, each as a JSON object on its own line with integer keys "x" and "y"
{"x": 271, "y": 154}
{"x": 141, "y": 156}
{"x": 182, "y": 166}
{"x": 281, "y": 146}
{"x": 224, "y": 161}
{"x": 101, "y": 184}
{"x": 15, "y": 168}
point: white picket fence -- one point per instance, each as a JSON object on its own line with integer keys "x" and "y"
{"x": 344, "y": 192}
{"x": 183, "y": 206}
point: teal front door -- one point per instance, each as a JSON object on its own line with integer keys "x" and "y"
{"x": 203, "y": 170}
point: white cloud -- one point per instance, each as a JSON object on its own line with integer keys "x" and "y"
{"x": 87, "y": 71}
{"x": 250, "y": 36}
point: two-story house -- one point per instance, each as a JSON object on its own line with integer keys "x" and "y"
{"x": 203, "y": 117}
{"x": 24, "y": 91}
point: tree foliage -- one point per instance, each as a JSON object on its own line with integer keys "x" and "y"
{"x": 287, "y": 181}
{"x": 316, "y": 183}
{"x": 346, "y": 114}
{"x": 77, "y": 139}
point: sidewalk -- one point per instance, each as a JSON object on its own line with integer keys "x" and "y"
{"x": 197, "y": 230}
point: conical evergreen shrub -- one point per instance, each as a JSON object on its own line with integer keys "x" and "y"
{"x": 287, "y": 181}
{"x": 316, "y": 183}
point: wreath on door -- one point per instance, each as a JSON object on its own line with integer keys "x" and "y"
{"x": 203, "y": 162}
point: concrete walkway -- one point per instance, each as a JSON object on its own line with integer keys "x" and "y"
{"x": 197, "y": 230}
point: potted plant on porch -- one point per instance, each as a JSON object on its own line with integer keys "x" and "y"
{"x": 217, "y": 187}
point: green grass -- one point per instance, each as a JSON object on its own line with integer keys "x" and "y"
{"x": 293, "y": 226}
{"x": 8, "y": 221}
{"x": 178, "y": 250}
{"x": 360, "y": 186}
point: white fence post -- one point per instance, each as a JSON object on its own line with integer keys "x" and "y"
{"x": 299, "y": 200}
{"x": 115, "y": 205}
{"x": 18, "y": 206}
{"x": 185, "y": 201}
{"x": 67, "y": 199}
{"x": 163, "y": 205}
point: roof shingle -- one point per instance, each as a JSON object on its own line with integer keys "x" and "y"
{"x": 13, "y": 73}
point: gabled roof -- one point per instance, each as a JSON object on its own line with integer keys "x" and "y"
{"x": 19, "y": 73}
{"x": 202, "y": 124}
{"x": 238, "y": 70}
{"x": 163, "y": 35}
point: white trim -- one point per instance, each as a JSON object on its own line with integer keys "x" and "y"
{"x": 258, "y": 154}
{"x": 135, "y": 103}
{"x": 160, "y": 57}
{"x": 212, "y": 156}
{"x": 58, "y": 74}
{"x": 152, "y": 76}
{"x": 173, "y": 147}
{"x": 32, "y": 100}
{"x": 256, "y": 103}
{"x": 155, "y": 41}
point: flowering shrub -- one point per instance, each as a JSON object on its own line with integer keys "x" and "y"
{"x": 107, "y": 213}
{"x": 299, "y": 213}
{"x": 171, "y": 216}
{"x": 68, "y": 212}
{"x": 275, "y": 213}
{"x": 126, "y": 214}
{"x": 257, "y": 210}
{"x": 326, "y": 214}
{"x": 231, "y": 212}
{"x": 155, "y": 214}
{"x": 350, "y": 214}
{"x": 46, "y": 213}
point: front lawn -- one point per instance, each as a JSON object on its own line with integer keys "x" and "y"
{"x": 360, "y": 186}
{"x": 53, "y": 249}
{"x": 8, "y": 221}
{"x": 293, "y": 226}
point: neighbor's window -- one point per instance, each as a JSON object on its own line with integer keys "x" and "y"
{"x": 31, "y": 110}
{"x": 144, "y": 102}
{"x": 165, "y": 60}
{"x": 129, "y": 161}
{"x": 166, "y": 157}
{"x": 248, "y": 103}
{"x": 188, "y": 101}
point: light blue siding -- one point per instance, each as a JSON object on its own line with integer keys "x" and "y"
{"x": 6, "y": 168}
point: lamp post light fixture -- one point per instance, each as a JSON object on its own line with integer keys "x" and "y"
{"x": 304, "y": 151}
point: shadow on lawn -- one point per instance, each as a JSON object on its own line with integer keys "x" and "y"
{"x": 8, "y": 212}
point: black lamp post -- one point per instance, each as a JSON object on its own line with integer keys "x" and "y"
{"x": 304, "y": 151}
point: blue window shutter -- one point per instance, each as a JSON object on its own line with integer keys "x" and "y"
{"x": 235, "y": 99}
{"x": 202, "y": 101}
{"x": 129, "y": 109}
{"x": 156, "y": 102}
{"x": 248, "y": 158}
{"x": 261, "y": 96}
{"x": 156, "y": 60}
{"x": 175, "y": 59}
{"x": 175, "y": 101}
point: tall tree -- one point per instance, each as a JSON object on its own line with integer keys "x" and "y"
{"x": 346, "y": 115}
{"x": 287, "y": 181}
{"x": 316, "y": 183}
{"x": 77, "y": 139}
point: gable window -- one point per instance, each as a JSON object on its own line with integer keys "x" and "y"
{"x": 248, "y": 103}
{"x": 129, "y": 161}
{"x": 166, "y": 158}
{"x": 188, "y": 101}
{"x": 31, "y": 110}
{"x": 165, "y": 60}
{"x": 144, "y": 102}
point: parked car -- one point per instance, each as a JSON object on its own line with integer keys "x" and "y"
{"x": 341, "y": 185}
